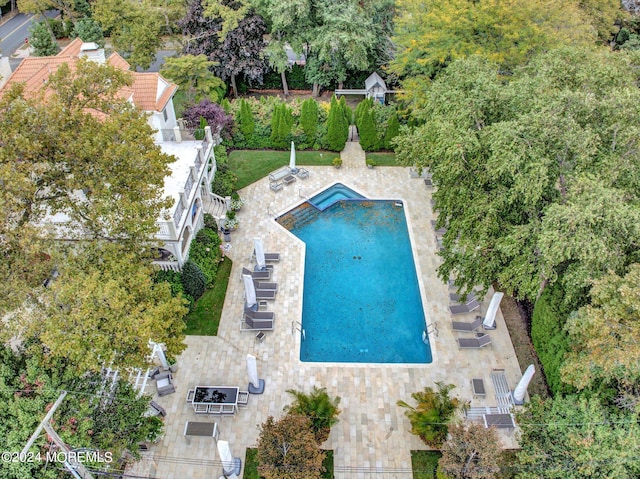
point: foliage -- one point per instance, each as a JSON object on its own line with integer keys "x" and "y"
{"x": 471, "y": 451}
{"x": 201, "y": 30}
{"x": 193, "y": 280}
{"x": 424, "y": 464}
{"x": 134, "y": 28}
{"x": 281, "y": 124}
{"x": 88, "y": 30}
{"x": 287, "y": 449}
{"x": 204, "y": 318}
{"x": 337, "y": 127}
{"x": 337, "y": 162}
{"x": 550, "y": 340}
{"x": 194, "y": 75}
{"x": 57, "y": 27}
{"x": 205, "y": 253}
{"x": 392, "y": 130}
{"x": 431, "y": 34}
{"x": 367, "y": 131}
{"x": 104, "y": 307}
{"x": 604, "y": 15}
{"x": 239, "y": 52}
{"x": 245, "y": 119}
{"x": 604, "y": 336}
{"x": 434, "y": 411}
{"x": 575, "y": 438}
{"x": 41, "y": 41}
{"x": 214, "y": 115}
{"x": 370, "y": 162}
{"x": 309, "y": 119}
{"x": 174, "y": 278}
{"x": 89, "y": 416}
{"x": 72, "y": 150}
{"x": 528, "y": 169}
{"x": 321, "y": 409}
{"x": 224, "y": 182}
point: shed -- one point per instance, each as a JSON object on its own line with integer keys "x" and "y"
{"x": 375, "y": 87}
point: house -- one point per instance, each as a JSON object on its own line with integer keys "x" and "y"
{"x": 374, "y": 87}
{"x": 188, "y": 184}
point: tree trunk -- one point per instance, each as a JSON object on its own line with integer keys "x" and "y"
{"x": 340, "y": 85}
{"x": 285, "y": 86}
{"x": 233, "y": 86}
{"x": 315, "y": 90}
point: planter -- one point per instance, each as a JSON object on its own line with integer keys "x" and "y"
{"x": 370, "y": 167}
{"x": 173, "y": 367}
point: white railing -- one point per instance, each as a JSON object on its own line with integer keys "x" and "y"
{"x": 167, "y": 265}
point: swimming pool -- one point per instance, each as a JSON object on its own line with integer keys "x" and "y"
{"x": 361, "y": 300}
{"x": 333, "y": 194}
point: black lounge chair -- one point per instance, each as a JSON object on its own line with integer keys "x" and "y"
{"x": 258, "y": 320}
{"x": 474, "y": 343}
{"x": 464, "y": 308}
{"x": 467, "y": 327}
{"x": 265, "y": 274}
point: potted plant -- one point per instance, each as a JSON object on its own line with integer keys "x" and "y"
{"x": 337, "y": 162}
{"x": 230, "y": 222}
{"x": 370, "y": 162}
{"x": 172, "y": 363}
{"x": 236, "y": 201}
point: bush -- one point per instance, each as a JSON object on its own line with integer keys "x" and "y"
{"x": 224, "y": 182}
{"x": 88, "y": 30}
{"x": 213, "y": 113}
{"x": 193, "y": 280}
{"x": 245, "y": 120}
{"x": 174, "y": 278}
{"x": 309, "y": 119}
{"x": 57, "y": 27}
{"x": 205, "y": 252}
{"x": 210, "y": 222}
{"x": 548, "y": 336}
{"x": 392, "y": 130}
{"x": 281, "y": 123}
{"x": 337, "y": 127}
{"x": 367, "y": 131}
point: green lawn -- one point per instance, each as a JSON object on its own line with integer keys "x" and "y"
{"x": 383, "y": 159}
{"x": 251, "y": 165}
{"x": 205, "y": 317}
{"x": 424, "y": 464}
{"x": 251, "y": 465}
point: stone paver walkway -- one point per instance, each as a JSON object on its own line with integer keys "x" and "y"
{"x": 372, "y": 438}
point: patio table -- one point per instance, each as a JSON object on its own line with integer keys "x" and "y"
{"x": 216, "y": 399}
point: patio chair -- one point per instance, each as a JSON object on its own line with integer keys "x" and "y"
{"x": 190, "y": 394}
{"x": 302, "y": 173}
{"x": 474, "y": 343}
{"x": 265, "y": 285}
{"x": 243, "y": 398}
{"x": 257, "y": 321}
{"x": 164, "y": 384}
{"x": 268, "y": 294}
{"x": 268, "y": 257}
{"x": 500, "y": 421}
{"x": 275, "y": 185}
{"x": 464, "y": 308}
{"x": 455, "y": 297}
{"x": 266, "y": 274}
{"x": 467, "y": 327}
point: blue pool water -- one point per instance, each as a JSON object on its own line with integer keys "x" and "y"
{"x": 335, "y": 193}
{"x": 361, "y": 298}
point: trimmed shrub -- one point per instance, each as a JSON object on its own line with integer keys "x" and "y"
{"x": 393, "y": 128}
{"x": 174, "y": 278}
{"x": 210, "y": 222}
{"x": 205, "y": 252}
{"x": 368, "y": 134}
{"x": 281, "y": 122}
{"x": 548, "y": 336}
{"x": 224, "y": 182}
{"x": 337, "y": 127}
{"x": 245, "y": 120}
{"x": 309, "y": 119}
{"x": 193, "y": 280}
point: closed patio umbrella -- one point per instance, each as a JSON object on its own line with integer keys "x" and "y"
{"x": 292, "y": 159}
{"x": 490, "y": 318}
{"x": 256, "y": 385}
{"x": 521, "y": 388}
{"x": 249, "y": 293}
{"x": 258, "y": 248}
{"x": 230, "y": 465}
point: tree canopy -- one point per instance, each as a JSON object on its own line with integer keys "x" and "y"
{"x": 538, "y": 175}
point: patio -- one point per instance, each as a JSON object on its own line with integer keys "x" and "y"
{"x": 372, "y": 438}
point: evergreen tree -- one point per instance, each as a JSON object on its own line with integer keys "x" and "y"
{"x": 280, "y": 126}
{"x": 346, "y": 111}
{"x": 337, "y": 127}
{"x": 42, "y": 41}
{"x": 309, "y": 119}
{"x": 367, "y": 131}
{"x": 245, "y": 120}
{"x": 193, "y": 279}
{"x": 393, "y": 128}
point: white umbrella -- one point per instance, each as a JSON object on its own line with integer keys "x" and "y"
{"x": 227, "y": 459}
{"x": 292, "y": 159}
{"x": 521, "y": 388}
{"x": 249, "y": 291}
{"x": 252, "y": 370}
{"x": 490, "y": 318}
{"x": 258, "y": 248}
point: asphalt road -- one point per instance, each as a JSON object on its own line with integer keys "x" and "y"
{"x": 14, "y": 31}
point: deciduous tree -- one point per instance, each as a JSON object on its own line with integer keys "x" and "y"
{"x": 214, "y": 115}
{"x": 194, "y": 75}
{"x": 471, "y": 451}
{"x": 287, "y": 449}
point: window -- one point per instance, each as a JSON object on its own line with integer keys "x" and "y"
{"x": 165, "y": 115}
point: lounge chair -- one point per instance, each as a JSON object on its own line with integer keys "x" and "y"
{"x": 265, "y": 285}
{"x": 474, "y": 343}
{"x": 302, "y": 173}
{"x": 464, "y": 308}
{"x": 268, "y": 257}
{"x": 259, "y": 322}
{"x": 500, "y": 421}
{"x": 455, "y": 297}
{"x": 266, "y": 274}
{"x": 467, "y": 327}
{"x": 267, "y": 294}
{"x": 275, "y": 185}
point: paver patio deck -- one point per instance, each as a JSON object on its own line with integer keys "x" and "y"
{"x": 372, "y": 437}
